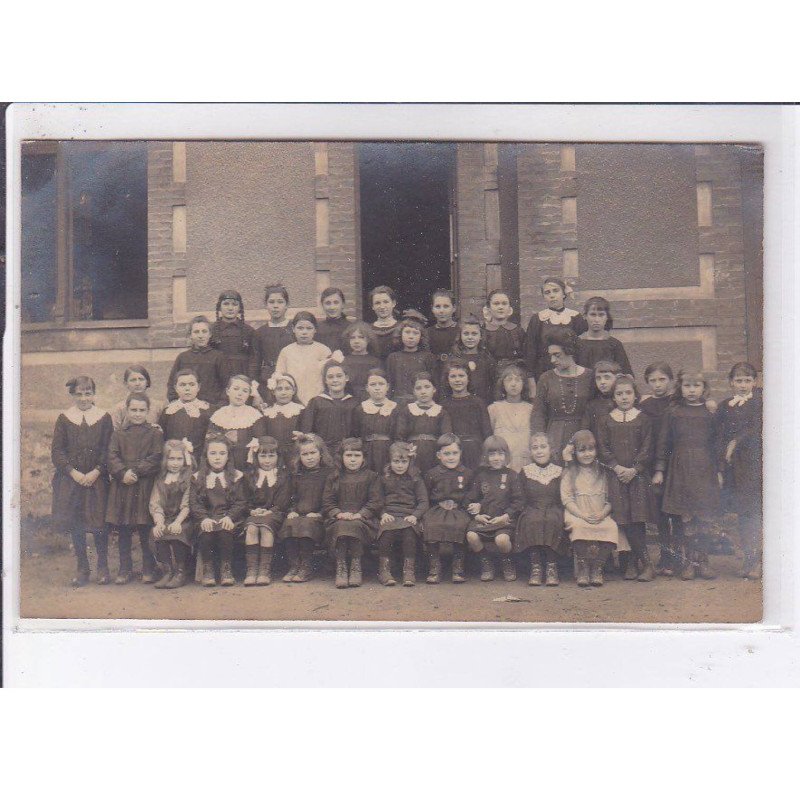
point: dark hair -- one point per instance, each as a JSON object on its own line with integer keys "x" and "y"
{"x": 305, "y": 316}
{"x": 497, "y": 291}
{"x": 558, "y": 281}
{"x": 381, "y": 290}
{"x": 377, "y": 372}
{"x": 565, "y": 339}
{"x": 181, "y": 373}
{"x": 606, "y": 365}
{"x": 363, "y": 328}
{"x": 350, "y": 443}
{"x": 309, "y": 438}
{"x": 139, "y": 370}
{"x": 469, "y": 319}
{"x": 330, "y": 292}
{"x": 81, "y": 382}
{"x": 602, "y": 304}
{"x": 743, "y": 367}
{"x": 276, "y": 288}
{"x": 455, "y": 362}
{"x": 684, "y": 373}
{"x": 403, "y": 449}
{"x": 230, "y": 294}
{"x": 423, "y": 376}
{"x": 141, "y": 396}
{"x": 629, "y": 380}
{"x": 492, "y": 443}
{"x": 329, "y": 364}
{"x": 238, "y": 377}
{"x": 410, "y": 322}
{"x": 230, "y": 467}
{"x": 504, "y": 372}
{"x": 446, "y": 439}
{"x": 443, "y": 293}
{"x": 658, "y": 366}
{"x": 270, "y": 445}
{"x": 198, "y": 320}
{"x": 282, "y": 377}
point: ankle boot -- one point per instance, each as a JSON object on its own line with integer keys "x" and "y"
{"x": 647, "y": 573}
{"x": 582, "y": 573}
{"x": 125, "y": 573}
{"x": 458, "y": 565}
{"x": 251, "y": 560}
{"x": 225, "y": 574}
{"x": 509, "y": 569}
{"x": 101, "y": 545}
{"x": 704, "y": 568}
{"x": 687, "y": 563}
{"x": 264, "y": 566}
{"x": 304, "y": 568}
{"x": 434, "y": 565}
{"x": 536, "y": 569}
{"x": 341, "y": 571}
{"x": 596, "y": 573}
{"x": 551, "y": 574}
{"x": 82, "y": 572}
{"x": 355, "y": 571}
{"x": 178, "y": 578}
{"x": 384, "y": 571}
{"x": 631, "y": 573}
{"x": 487, "y": 567}
{"x": 409, "y": 569}
{"x": 148, "y": 562}
{"x": 166, "y": 576}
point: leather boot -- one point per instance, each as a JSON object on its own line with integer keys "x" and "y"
{"x": 164, "y": 561}
{"x": 180, "y": 554}
{"x": 207, "y": 557}
{"x": 293, "y": 553}
{"x": 225, "y": 539}
{"x": 509, "y": 568}
{"x": 647, "y": 573}
{"x": 385, "y": 572}
{"x": 582, "y": 573}
{"x": 125, "y": 573}
{"x": 225, "y": 574}
{"x": 264, "y": 567}
{"x": 355, "y": 571}
{"x": 596, "y": 572}
{"x": 82, "y": 573}
{"x": 409, "y": 569}
{"x": 536, "y": 569}
{"x": 458, "y": 565}
{"x": 487, "y": 567}
{"x": 101, "y": 546}
{"x": 304, "y": 565}
{"x": 704, "y": 568}
{"x": 551, "y": 574}
{"x": 341, "y": 570}
{"x": 148, "y": 561}
{"x": 251, "y": 559}
{"x": 687, "y": 562}
{"x": 434, "y": 565}
{"x": 631, "y": 573}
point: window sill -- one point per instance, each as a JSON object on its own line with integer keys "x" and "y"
{"x": 95, "y": 324}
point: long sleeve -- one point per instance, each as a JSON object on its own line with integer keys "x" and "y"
{"x": 422, "y": 504}
{"x": 151, "y": 462}
{"x": 308, "y": 415}
{"x": 517, "y": 499}
{"x": 485, "y": 422}
{"x": 539, "y": 412}
{"x": 116, "y": 466}
{"x": 530, "y": 347}
{"x": 171, "y": 393}
{"x": 156, "y": 509}
{"x": 237, "y": 510}
{"x": 198, "y": 501}
{"x": 621, "y": 357}
{"x": 403, "y": 425}
{"x": 330, "y": 497}
{"x": 221, "y": 375}
{"x": 280, "y": 365}
{"x": 282, "y": 496}
{"x": 373, "y": 506}
{"x": 58, "y": 449}
{"x": 664, "y": 445}
{"x": 474, "y": 494}
{"x": 567, "y": 489}
{"x": 645, "y": 455}
{"x": 446, "y": 425}
{"x": 607, "y": 456}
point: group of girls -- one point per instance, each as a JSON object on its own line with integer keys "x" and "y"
{"x": 464, "y": 434}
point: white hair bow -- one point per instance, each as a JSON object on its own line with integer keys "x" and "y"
{"x": 252, "y": 449}
{"x": 188, "y": 449}
{"x": 337, "y": 356}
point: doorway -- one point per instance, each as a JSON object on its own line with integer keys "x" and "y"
{"x": 407, "y": 229}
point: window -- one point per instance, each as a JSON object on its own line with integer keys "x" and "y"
{"x": 84, "y": 231}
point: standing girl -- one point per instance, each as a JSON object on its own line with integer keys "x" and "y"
{"x": 383, "y": 301}
{"x": 310, "y": 468}
{"x": 443, "y": 334}
{"x": 556, "y": 316}
{"x": 271, "y": 339}
{"x": 217, "y": 503}
{"x": 505, "y": 340}
{"x": 330, "y": 414}
{"x": 352, "y": 503}
{"x": 468, "y": 413}
{"x": 422, "y": 422}
{"x": 405, "y": 501}
{"x": 494, "y": 501}
{"x": 331, "y": 328}
{"x": 375, "y": 421}
{"x": 739, "y": 445}
{"x": 268, "y": 495}
{"x": 411, "y": 356}
{"x": 686, "y": 451}
{"x": 625, "y": 438}
{"x": 80, "y": 484}
{"x": 605, "y": 374}
{"x": 233, "y": 337}
{"x": 169, "y": 508}
{"x": 206, "y": 362}
{"x": 359, "y": 346}
{"x": 134, "y": 458}
{"x": 304, "y": 357}
{"x": 282, "y": 418}
{"x": 471, "y": 346}
{"x": 238, "y": 422}
{"x": 597, "y": 344}
{"x": 541, "y": 524}
{"x": 446, "y": 520}
{"x": 511, "y": 415}
{"x": 188, "y": 416}
{"x": 137, "y": 381}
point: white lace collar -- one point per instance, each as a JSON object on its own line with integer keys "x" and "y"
{"x": 369, "y": 407}
{"x": 334, "y": 399}
{"x": 236, "y": 417}
{"x": 416, "y": 411}
{"x": 171, "y": 477}
{"x": 563, "y": 317}
{"x": 214, "y": 478}
{"x": 739, "y": 400}
{"x": 542, "y": 475}
{"x": 90, "y": 417}
{"x": 192, "y": 408}
{"x": 268, "y": 475}
{"x": 287, "y": 410}
{"x": 624, "y": 416}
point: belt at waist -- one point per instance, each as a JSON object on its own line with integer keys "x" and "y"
{"x": 423, "y": 437}
{"x": 377, "y": 437}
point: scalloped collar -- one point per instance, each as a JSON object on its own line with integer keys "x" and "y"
{"x": 287, "y": 410}
{"x": 369, "y": 407}
{"x": 90, "y": 417}
{"x": 542, "y": 475}
{"x": 192, "y": 408}
{"x": 563, "y": 317}
{"x": 236, "y": 417}
{"x": 416, "y": 411}
{"x": 624, "y": 416}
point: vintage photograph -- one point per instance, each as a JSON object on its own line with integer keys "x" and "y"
{"x": 391, "y": 381}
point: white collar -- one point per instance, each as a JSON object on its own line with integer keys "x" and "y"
{"x": 334, "y": 399}
{"x": 369, "y": 407}
{"x": 270, "y": 475}
{"x": 563, "y": 317}
{"x": 90, "y": 417}
{"x": 542, "y": 475}
{"x": 389, "y": 323}
{"x": 287, "y": 410}
{"x": 171, "y": 477}
{"x": 739, "y": 400}
{"x": 219, "y": 477}
{"x": 416, "y": 411}
{"x": 624, "y": 416}
{"x": 493, "y": 325}
{"x": 235, "y": 417}
{"x": 192, "y": 408}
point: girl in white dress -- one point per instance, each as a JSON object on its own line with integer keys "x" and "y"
{"x": 511, "y": 416}
{"x": 303, "y": 359}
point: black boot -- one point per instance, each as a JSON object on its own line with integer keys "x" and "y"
{"x": 101, "y": 546}
{"x": 536, "y": 568}
{"x": 647, "y": 573}
{"x": 434, "y": 564}
{"x": 509, "y": 568}
{"x": 551, "y": 574}
{"x": 305, "y": 566}
{"x": 251, "y": 560}
{"x": 225, "y": 539}
{"x": 704, "y": 568}
{"x": 688, "y": 572}
{"x": 458, "y": 564}
{"x": 180, "y": 553}
{"x": 596, "y": 573}
{"x": 385, "y": 571}
{"x": 164, "y": 562}
{"x": 409, "y": 570}
{"x": 354, "y": 578}
{"x": 341, "y": 564}
{"x": 487, "y": 566}
{"x": 582, "y": 572}
{"x": 148, "y": 561}
{"x": 264, "y": 567}
{"x": 207, "y": 556}
{"x": 82, "y": 573}
{"x": 293, "y": 554}
{"x": 125, "y": 558}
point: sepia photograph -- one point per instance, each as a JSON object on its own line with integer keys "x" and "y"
{"x": 391, "y": 380}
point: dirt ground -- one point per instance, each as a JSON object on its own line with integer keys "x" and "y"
{"x": 48, "y": 566}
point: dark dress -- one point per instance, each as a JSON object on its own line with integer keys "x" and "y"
{"x": 541, "y": 523}
{"x": 357, "y": 367}
{"x": 209, "y": 366}
{"x": 499, "y": 492}
{"x": 280, "y": 422}
{"x": 167, "y": 500}
{"x": 441, "y": 342}
{"x": 439, "y": 524}
{"x": 505, "y": 342}
{"x": 308, "y": 486}
{"x": 401, "y": 368}
{"x": 597, "y": 407}
{"x": 482, "y": 374}
{"x": 219, "y": 501}
{"x": 269, "y": 342}
{"x": 384, "y": 340}
{"x": 686, "y": 451}
{"x": 275, "y": 499}
{"x": 422, "y": 428}
{"x": 329, "y": 332}
{"x": 376, "y": 426}
{"x": 655, "y": 408}
{"x": 628, "y": 444}
{"x": 403, "y": 496}
{"x": 590, "y": 351}
{"x": 84, "y": 447}
{"x": 140, "y": 448}
{"x": 236, "y": 340}
{"x": 355, "y": 492}
{"x": 743, "y": 476}
{"x": 542, "y": 325}
{"x": 181, "y": 420}
{"x": 330, "y": 419}
{"x": 471, "y": 424}
{"x": 239, "y": 425}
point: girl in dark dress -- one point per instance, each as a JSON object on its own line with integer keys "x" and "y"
{"x": 446, "y": 520}
{"x": 471, "y": 347}
{"x": 238, "y": 422}
{"x": 422, "y": 422}
{"x": 268, "y": 496}
{"x": 233, "y": 337}
{"x": 494, "y": 501}
{"x": 136, "y": 379}
{"x": 351, "y": 504}
{"x": 270, "y": 339}
{"x": 411, "y": 356}
{"x": 505, "y": 340}
{"x": 541, "y": 524}
{"x": 206, "y": 362}
{"x": 686, "y": 451}
{"x": 468, "y": 413}
{"x": 310, "y": 467}
{"x": 605, "y": 374}
{"x": 188, "y": 416}
{"x": 330, "y": 414}
{"x": 282, "y": 418}
{"x": 625, "y": 442}
{"x": 443, "y": 334}
{"x": 405, "y": 500}
{"x": 331, "y": 329}
{"x": 545, "y": 322}
{"x": 739, "y": 447}
{"x": 169, "y": 508}
{"x": 134, "y": 459}
{"x": 80, "y": 484}
{"x": 218, "y": 504}
{"x": 596, "y": 344}
{"x": 375, "y": 421}
{"x": 359, "y": 357}
{"x": 383, "y": 301}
